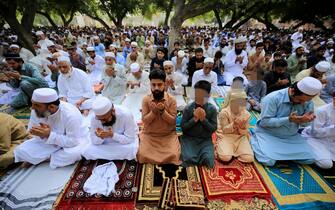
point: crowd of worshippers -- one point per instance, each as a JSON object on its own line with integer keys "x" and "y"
{"x": 76, "y": 84}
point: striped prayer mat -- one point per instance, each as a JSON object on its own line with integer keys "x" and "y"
{"x": 36, "y": 187}
{"x": 296, "y": 186}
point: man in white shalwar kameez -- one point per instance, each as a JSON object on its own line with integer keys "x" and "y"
{"x": 73, "y": 84}
{"x": 58, "y": 132}
{"x": 114, "y": 133}
{"x": 235, "y": 62}
{"x": 321, "y": 135}
{"x": 180, "y": 62}
{"x": 95, "y": 66}
{"x": 174, "y": 86}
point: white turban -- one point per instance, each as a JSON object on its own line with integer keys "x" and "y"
{"x": 134, "y": 67}
{"x": 90, "y": 49}
{"x": 322, "y": 66}
{"x": 168, "y": 63}
{"x": 101, "y": 105}
{"x": 109, "y": 54}
{"x": 239, "y": 40}
{"x": 64, "y": 59}
{"x": 133, "y": 44}
{"x": 310, "y": 86}
{"x": 209, "y": 60}
{"x": 44, "y": 95}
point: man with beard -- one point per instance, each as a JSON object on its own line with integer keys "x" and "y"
{"x": 235, "y": 62}
{"x": 114, "y": 132}
{"x": 73, "y": 84}
{"x": 318, "y": 72}
{"x": 278, "y": 78}
{"x": 316, "y": 56}
{"x": 224, "y": 48}
{"x": 99, "y": 48}
{"x": 95, "y": 66}
{"x": 24, "y": 76}
{"x": 284, "y": 111}
{"x": 59, "y": 133}
{"x": 159, "y": 142}
{"x": 296, "y": 62}
{"x": 195, "y": 63}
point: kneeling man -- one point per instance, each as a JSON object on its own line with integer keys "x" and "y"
{"x": 114, "y": 132}
{"x": 58, "y": 130}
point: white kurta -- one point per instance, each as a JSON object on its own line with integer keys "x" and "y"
{"x": 96, "y": 69}
{"x": 75, "y": 87}
{"x": 178, "y": 92}
{"x": 234, "y": 69}
{"x": 68, "y": 137}
{"x": 115, "y": 87}
{"x": 123, "y": 144}
{"x": 321, "y": 134}
{"x": 43, "y": 43}
{"x": 144, "y": 83}
{"x": 181, "y": 68}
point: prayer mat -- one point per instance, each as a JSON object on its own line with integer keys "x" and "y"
{"x": 153, "y": 177}
{"x": 124, "y": 197}
{"x": 36, "y": 187}
{"x": 327, "y": 174}
{"x": 23, "y": 114}
{"x": 296, "y": 186}
{"x": 234, "y": 181}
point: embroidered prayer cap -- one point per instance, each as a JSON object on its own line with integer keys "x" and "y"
{"x": 168, "y": 63}
{"x": 181, "y": 53}
{"x": 209, "y": 60}
{"x": 101, "y": 105}
{"x": 64, "y": 59}
{"x": 322, "y": 66}
{"x": 44, "y": 95}
{"x": 310, "y": 86}
{"x": 239, "y": 40}
{"x": 109, "y": 54}
{"x": 87, "y": 104}
{"x": 134, "y": 67}
{"x": 134, "y": 44}
{"x": 90, "y": 49}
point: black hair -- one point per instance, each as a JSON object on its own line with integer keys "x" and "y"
{"x": 57, "y": 102}
{"x": 157, "y": 74}
{"x": 280, "y": 63}
{"x": 238, "y": 78}
{"x": 176, "y": 42}
{"x": 277, "y": 54}
{"x": 13, "y": 56}
{"x": 259, "y": 44}
{"x": 218, "y": 54}
{"x": 204, "y": 85}
{"x": 198, "y": 50}
{"x": 160, "y": 49}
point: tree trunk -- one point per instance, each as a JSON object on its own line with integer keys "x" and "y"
{"x": 167, "y": 13}
{"x": 48, "y": 17}
{"x": 101, "y": 21}
{"x": 175, "y": 23}
{"x": 232, "y": 21}
{"x": 239, "y": 24}
{"x": 29, "y": 15}
{"x": 218, "y": 18}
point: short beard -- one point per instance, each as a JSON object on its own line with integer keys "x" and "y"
{"x": 43, "y": 114}
{"x": 111, "y": 122}
{"x": 158, "y": 95}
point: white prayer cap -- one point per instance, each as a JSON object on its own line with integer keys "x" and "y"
{"x": 133, "y": 44}
{"x": 240, "y": 40}
{"x": 87, "y": 104}
{"x": 168, "y": 63}
{"x": 90, "y": 49}
{"x": 44, "y": 95}
{"x": 14, "y": 46}
{"x": 49, "y": 44}
{"x": 181, "y": 53}
{"x": 330, "y": 41}
{"x": 84, "y": 43}
{"x": 134, "y": 67}
{"x": 310, "y": 86}
{"x": 101, "y": 105}
{"x": 109, "y": 54}
{"x": 96, "y": 37}
{"x": 39, "y": 33}
{"x": 113, "y": 45}
{"x": 64, "y": 59}
{"x": 127, "y": 40}
{"x": 322, "y": 66}
{"x": 209, "y": 60}
{"x": 297, "y": 46}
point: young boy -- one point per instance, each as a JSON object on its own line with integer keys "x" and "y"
{"x": 233, "y": 127}
{"x": 199, "y": 122}
{"x": 256, "y": 90}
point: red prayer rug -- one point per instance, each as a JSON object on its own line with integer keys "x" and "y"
{"x": 233, "y": 181}
{"x": 74, "y": 197}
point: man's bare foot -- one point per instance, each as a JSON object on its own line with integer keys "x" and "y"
{"x": 25, "y": 165}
